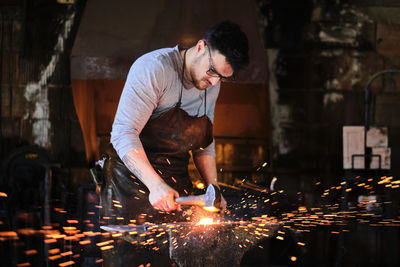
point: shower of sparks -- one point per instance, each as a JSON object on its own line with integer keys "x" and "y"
{"x": 64, "y": 241}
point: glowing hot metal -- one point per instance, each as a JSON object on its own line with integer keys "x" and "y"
{"x": 206, "y": 220}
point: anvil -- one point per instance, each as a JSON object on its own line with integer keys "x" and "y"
{"x": 188, "y": 244}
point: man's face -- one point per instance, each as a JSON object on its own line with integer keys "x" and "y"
{"x": 209, "y": 67}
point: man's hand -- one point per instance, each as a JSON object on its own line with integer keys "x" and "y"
{"x": 162, "y": 197}
{"x": 223, "y": 204}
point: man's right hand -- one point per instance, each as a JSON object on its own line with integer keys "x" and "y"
{"x": 162, "y": 197}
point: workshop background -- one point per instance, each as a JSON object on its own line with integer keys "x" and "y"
{"x": 279, "y": 129}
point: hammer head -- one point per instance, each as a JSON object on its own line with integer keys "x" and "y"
{"x": 210, "y": 201}
{"x": 212, "y": 198}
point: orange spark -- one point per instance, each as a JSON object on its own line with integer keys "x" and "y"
{"x": 67, "y": 263}
{"x": 55, "y": 257}
{"x": 23, "y": 264}
{"x": 54, "y": 251}
{"x": 200, "y": 185}
{"x": 85, "y": 242}
{"x": 31, "y": 252}
{"x": 107, "y": 247}
{"x": 66, "y": 253}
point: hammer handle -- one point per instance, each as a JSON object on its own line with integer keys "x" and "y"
{"x": 191, "y": 200}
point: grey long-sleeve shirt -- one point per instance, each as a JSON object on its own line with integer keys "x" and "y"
{"x": 151, "y": 88}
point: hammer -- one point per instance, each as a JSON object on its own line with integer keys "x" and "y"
{"x": 210, "y": 201}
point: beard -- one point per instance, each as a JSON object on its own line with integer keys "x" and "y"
{"x": 200, "y": 82}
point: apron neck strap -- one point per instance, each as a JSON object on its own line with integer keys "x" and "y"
{"x": 205, "y": 101}
{"x": 178, "y": 105}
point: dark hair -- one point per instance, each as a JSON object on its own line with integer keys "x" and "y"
{"x": 230, "y": 41}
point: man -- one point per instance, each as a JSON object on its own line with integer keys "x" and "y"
{"x": 166, "y": 110}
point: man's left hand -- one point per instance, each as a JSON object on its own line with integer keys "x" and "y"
{"x": 223, "y": 204}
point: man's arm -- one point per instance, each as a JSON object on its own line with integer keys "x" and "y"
{"x": 162, "y": 196}
{"x": 207, "y": 168}
{"x": 139, "y": 98}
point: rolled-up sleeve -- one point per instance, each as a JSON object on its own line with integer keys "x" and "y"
{"x": 139, "y": 98}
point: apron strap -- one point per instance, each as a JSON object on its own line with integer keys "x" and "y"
{"x": 205, "y": 101}
{"x": 178, "y": 105}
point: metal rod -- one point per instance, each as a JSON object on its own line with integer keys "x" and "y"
{"x": 367, "y": 100}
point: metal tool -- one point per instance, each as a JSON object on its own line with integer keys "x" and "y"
{"x": 211, "y": 200}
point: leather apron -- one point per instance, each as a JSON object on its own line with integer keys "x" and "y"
{"x": 167, "y": 141}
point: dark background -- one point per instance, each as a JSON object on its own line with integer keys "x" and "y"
{"x": 313, "y": 61}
